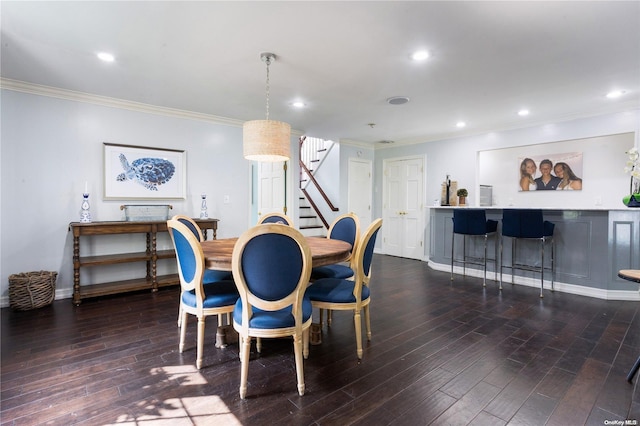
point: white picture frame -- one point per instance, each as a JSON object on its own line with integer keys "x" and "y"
{"x": 143, "y": 173}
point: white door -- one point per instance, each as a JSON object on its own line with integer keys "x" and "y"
{"x": 403, "y": 207}
{"x": 271, "y": 188}
{"x": 360, "y": 188}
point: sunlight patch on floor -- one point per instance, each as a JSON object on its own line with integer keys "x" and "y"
{"x": 191, "y": 410}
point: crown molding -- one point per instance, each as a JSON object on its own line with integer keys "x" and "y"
{"x": 70, "y": 95}
{"x": 355, "y": 143}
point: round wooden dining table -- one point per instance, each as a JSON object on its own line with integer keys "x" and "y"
{"x": 324, "y": 251}
{"x": 218, "y": 255}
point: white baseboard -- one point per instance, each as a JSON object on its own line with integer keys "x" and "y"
{"x": 599, "y": 293}
{"x": 65, "y": 293}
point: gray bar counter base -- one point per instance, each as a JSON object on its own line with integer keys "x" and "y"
{"x": 591, "y": 246}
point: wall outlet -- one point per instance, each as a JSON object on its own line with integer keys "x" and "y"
{"x": 226, "y": 199}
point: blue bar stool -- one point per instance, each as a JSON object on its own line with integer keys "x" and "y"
{"x": 474, "y": 223}
{"x": 527, "y": 224}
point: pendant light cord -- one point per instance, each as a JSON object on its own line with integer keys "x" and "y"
{"x": 268, "y": 62}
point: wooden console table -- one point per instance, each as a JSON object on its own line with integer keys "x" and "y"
{"x": 151, "y": 281}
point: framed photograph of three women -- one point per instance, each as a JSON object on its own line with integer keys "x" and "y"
{"x": 554, "y": 172}
{"x": 596, "y": 162}
{"x": 138, "y": 173}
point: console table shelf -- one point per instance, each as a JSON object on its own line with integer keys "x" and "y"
{"x": 151, "y": 281}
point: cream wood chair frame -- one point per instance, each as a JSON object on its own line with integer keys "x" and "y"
{"x": 248, "y": 300}
{"x": 360, "y": 280}
{"x": 268, "y": 218}
{"x": 351, "y": 258}
{"x": 195, "y": 228}
{"x": 195, "y": 284}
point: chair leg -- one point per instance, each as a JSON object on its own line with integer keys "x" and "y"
{"x": 180, "y": 316}
{"x": 329, "y": 317}
{"x": 259, "y": 344}
{"x": 358, "y": 325}
{"x": 305, "y": 343}
{"x": 297, "y": 349}
{"x": 183, "y": 331}
{"x": 244, "y": 371}
{"x": 367, "y": 321}
{"x": 321, "y": 316}
{"x": 240, "y": 345}
{"x": 201, "y": 322}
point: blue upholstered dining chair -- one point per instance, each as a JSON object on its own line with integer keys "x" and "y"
{"x": 210, "y": 275}
{"x": 275, "y": 218}
{"x": 527, "y": 224}
{"x": 353, "y": 295}
{"x": 473, "y": 223}
{"x": 346, "y": 228}
{"x": 271, "y": 266}
{"x": 196, "y": 298}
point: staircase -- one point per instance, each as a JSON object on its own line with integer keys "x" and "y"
{"x": 313, "y": 151}
{"x": 310, "y": 225}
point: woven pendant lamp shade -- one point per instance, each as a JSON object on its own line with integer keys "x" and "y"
{"x": 266, "y": 140}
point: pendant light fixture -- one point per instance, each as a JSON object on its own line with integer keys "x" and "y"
{"x": 266, "y": 140}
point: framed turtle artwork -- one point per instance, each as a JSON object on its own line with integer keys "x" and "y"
{"x": 139, "y": 172}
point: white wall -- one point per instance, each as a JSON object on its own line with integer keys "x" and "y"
{"x": 50, "y": 147}
{"x": 458, "y": 157}
{"x": 500, "y": 168}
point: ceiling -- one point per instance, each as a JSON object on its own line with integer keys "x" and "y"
{"x": 342, "y": 59}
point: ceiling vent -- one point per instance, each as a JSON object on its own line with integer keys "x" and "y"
{"x": 398, "y": 100}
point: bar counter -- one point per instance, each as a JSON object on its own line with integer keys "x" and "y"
{"x": 591, "y": 246}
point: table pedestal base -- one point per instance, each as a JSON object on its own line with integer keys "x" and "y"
{"x": 221, "y": 337}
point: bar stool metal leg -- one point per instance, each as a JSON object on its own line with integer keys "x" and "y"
{"x": 484, "y": 279}
{"x": 541, "y": 266}
{"x": 453, "y": 239}
{"x": 553, "y": 263}
{"x": 633, "y": 370}
{"x": 501, "y": 262}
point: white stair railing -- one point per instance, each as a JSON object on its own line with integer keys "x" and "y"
{"x": 313, "y": 153}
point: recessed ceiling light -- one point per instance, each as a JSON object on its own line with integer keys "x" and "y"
{"x": 398, "y": 100}
{"x": 298, "y": 104}
{"x": 107, "y": 57}
{"x": 523, "y": 112}
{"x": 460, "y": 124}
{"x": 615, "y": 94}
{"x": 420, "y": 55}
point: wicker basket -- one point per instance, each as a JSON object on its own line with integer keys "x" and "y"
{"x": 31, "y": 290}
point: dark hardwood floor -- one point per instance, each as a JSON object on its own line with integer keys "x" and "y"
{"x": 441, "y": 353}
